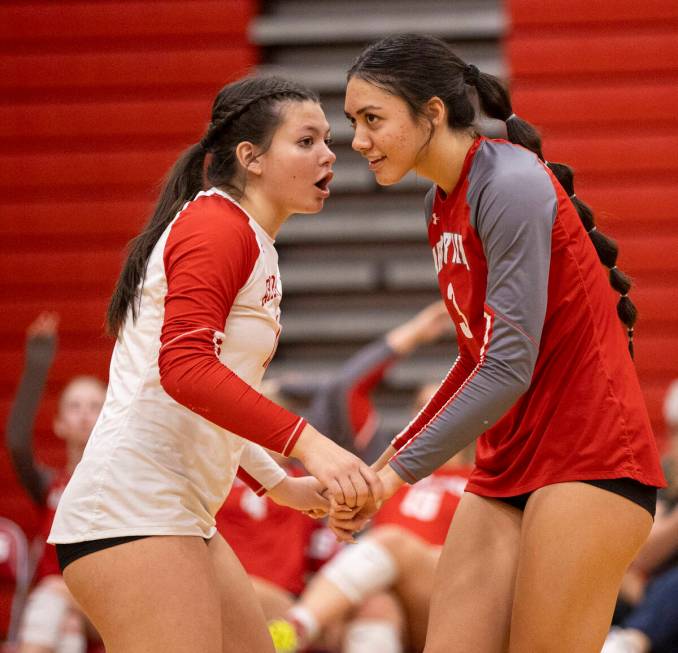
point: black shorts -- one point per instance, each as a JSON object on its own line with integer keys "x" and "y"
{"x": 643, "y": 495}
{"x": 67, "y": 553}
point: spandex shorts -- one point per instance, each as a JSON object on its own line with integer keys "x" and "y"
{"x": 643, "y": 495}
{"x": 67, "y": 553}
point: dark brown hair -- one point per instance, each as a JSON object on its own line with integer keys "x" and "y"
{"x": 246, "y": 110}
{"x": 417, "y": 67}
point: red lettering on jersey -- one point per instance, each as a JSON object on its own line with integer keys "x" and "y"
{"x": 272, "y": 290}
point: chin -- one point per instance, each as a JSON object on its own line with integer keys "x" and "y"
{"x": 389, "y": 179}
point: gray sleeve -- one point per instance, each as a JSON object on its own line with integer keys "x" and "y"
{"x": 513, "y": 213}
{"x": 329, "y": 411}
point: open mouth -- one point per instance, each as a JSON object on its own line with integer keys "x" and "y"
{"x": 324, "y": 182}
{"x": 374, "y": 163}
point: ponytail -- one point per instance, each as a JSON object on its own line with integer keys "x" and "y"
{"x": 182, "y": 183}
{"x": 495, "y": 102}
{"x": 247, "y": 110}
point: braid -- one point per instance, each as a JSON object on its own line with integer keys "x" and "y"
{"x": 226, "y": 112}
{"x": 495, "y": 102}
{"x": 246, "y": 110}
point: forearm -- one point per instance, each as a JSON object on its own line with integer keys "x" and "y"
{"x": 384, "y": 458}
{"x": 21, "y": 419}
{"x": 482, "y": 401}
{"x": 193, "y": 376}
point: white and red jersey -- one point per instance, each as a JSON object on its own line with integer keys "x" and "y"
{"x": 183, "y": 377}
{"x": 426, "y": 508}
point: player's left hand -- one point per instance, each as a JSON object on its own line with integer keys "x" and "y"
{"x": 302, "y": 493}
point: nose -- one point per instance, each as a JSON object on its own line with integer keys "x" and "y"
{"x": 328, "y": 156}
{"x": 361, "y": 142}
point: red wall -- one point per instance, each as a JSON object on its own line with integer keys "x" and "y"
{"x": 98, "y": 99}
{"x": 600, "y": 80}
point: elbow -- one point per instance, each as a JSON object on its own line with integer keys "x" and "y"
{"x": 515, "y": 375}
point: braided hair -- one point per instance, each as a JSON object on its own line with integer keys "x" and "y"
{"x": 417, "y": 67}
{"x": 246, "y": 110}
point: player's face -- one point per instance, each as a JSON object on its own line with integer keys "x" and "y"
{"x": 297, "y": 167}
{"x": 386, "y": 134}
{"x": 79, "y": 408}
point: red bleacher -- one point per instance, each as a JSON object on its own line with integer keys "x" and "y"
{"x": 98, "y": 100}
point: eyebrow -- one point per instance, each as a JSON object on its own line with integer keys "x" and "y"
{"x": 314, "y": 129}
{"x": 361, "y": 111}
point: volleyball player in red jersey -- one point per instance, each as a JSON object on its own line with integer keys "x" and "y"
{"x": 564, "y": 486}
{"x": 196, "y": 316}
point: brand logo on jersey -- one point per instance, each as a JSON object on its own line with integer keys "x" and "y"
{"x": 434, "y": 218}
{"x": 272, "y": 290}
{"x": 449, "y": 248}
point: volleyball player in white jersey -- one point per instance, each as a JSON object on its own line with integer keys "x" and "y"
{"x": 196, "y": 315}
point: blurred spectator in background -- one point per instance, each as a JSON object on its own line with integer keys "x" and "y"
{"x": 51, "y": 622}
{"x": 381, "y": 586}
{"x": 280, "y": 548}
{"x": 650, "y": 589}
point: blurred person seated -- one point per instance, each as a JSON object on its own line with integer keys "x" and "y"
{"x": 380, "y": 587}
{"x": 51, "y": 622}
{"x": 650, "y": 588}
{"x": 280, "y": 548}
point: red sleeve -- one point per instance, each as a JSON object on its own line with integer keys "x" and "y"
{"x": 209, "y": 255}
{"x": 459, "y": 372}
{"x": 360, "y": 404}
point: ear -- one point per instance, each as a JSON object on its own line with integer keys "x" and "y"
{"x": 247, "y": 156}
{"x": 436, "y": 111}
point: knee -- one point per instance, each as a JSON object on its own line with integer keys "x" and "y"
{"x": 400, "y": 543}
{"x": 383, "y": 606}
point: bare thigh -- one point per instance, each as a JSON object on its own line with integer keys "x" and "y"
{"x": 473, "y": 588}
{"x": 242, "y": 617}
{"x": 577, "y": 542}
{"x": 153, "y": 595}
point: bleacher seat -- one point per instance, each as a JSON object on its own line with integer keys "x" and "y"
{"x": 14, "y": 577}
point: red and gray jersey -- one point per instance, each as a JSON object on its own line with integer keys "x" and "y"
{"x": 543, "y": 374}
{"x": 182, "y": 411}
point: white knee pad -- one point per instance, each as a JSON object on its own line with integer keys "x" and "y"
{"x": 72, "y": 642}
{"x": 370, "y": 635}
{"x": 361, "y": 569}
{"x": 43, "y": 617}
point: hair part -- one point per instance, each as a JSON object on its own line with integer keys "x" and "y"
{"x": 250, "y": 110}
{"x": 417, "y": 67}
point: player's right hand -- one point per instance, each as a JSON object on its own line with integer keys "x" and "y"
{"x": 348, "y": 479}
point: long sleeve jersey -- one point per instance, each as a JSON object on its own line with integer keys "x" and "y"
{"x": 543, "y": 378}
{"x": 182, "y": 411}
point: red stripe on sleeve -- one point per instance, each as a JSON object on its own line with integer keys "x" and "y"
{"x": 458, "y": 373}
{"x": 209, "y": 255}
{"x": 253, "y": 484}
